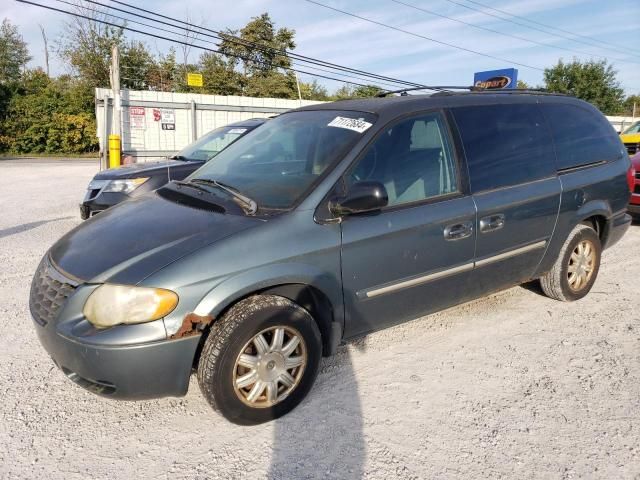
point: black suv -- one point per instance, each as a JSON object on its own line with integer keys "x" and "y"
{"x": 115, "y": 185}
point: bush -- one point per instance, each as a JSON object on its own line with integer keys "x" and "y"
{"x": 49, "y": 116}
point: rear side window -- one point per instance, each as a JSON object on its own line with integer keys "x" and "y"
{"x": 505, "y": 145}
{"x": 581, "y": 136}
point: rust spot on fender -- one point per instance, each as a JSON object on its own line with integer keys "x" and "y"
{"x": 190, "y": 325}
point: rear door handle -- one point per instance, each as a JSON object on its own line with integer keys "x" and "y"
{"x": 492, "y": 222}
{"x": 458, "y": 231}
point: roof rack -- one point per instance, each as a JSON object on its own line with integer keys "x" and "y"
{"x": 439, "y": 88}
{"x": 449, "y": 90}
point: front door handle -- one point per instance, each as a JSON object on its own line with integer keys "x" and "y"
{"x": 492, "y": 222}
{"x": 458, "y": 231}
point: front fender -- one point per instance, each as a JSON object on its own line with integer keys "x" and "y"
{"x": 247, "y": 282}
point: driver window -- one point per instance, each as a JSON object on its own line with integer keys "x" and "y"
{"x": 413, "y": 160}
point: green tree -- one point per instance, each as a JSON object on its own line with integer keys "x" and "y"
{"x": 352, "y": 91}
{"x": 163, "y": 74}
{"x": 627, "y": 108}
{"x": 313, "y": 91}
{"x": 592, "y": 81}
{"x": 14, "y": 54}
{"x": 262, "y": 31}
{"x": 220, "y": 76}
{"x": 265, "y": 66}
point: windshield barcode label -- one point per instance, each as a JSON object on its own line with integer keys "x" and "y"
{"x": 355, "y": 124}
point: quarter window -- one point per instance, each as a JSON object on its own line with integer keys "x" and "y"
{"x": 413, "y": 160}
{"x": 581, "y": 136}
{"x": 505, "y": 145}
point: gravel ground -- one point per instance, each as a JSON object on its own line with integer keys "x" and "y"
{"x": 510, "y": 386}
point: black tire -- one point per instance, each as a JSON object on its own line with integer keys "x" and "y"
{"x": 231, "y": 334}
{"x": 555, "y": 283}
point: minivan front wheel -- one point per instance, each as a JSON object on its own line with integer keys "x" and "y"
{"x": 260, "y": 359}
{"x": 576, "y": 268}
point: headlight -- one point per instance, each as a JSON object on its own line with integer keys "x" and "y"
{"x": 124, "y": 186}
{"x": 111, "y": 305}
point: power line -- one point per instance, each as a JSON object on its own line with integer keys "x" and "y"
{"x": 387, "y": 84}
{"x": 617, "y": 47}
{"x": 104, "y": 22}
{"x": 237, "y": 40}
{"x": 546, "y": 32}
{"x": 480, "y": 27}
{"x": 398, "y": 29}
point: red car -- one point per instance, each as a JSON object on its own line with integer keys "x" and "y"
{"x": 634, "y": 203}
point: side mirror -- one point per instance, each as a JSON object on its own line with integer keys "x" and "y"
{"x": 362, "y": 197}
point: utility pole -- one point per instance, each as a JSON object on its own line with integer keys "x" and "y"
{"x": 298, "y": 85}
{"x": 115, "y": 139}
{"x": 46, "y": 49}
{"x": 115, "y": 87}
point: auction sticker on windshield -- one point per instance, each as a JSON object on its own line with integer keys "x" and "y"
{"x": 355, "y": 124}
{"x": 237, "y": 130}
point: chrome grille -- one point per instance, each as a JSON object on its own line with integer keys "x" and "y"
{"x": 49, "y": 292}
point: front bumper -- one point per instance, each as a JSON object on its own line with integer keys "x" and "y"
{"x": 126, "y": 361}
{"x": 103, "y": 200}
{"x": 129, "y": 372}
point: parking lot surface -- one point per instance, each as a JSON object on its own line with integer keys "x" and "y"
{"x": 514, "y": 385}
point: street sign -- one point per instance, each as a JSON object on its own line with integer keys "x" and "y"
{"x": 194, "y": 79}
{"x": 168, "y": 119}
{"x": 136, "y": 117}
{"x": 496, "y": 79}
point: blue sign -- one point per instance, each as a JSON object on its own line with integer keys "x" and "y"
{"x": 496, "y": 79}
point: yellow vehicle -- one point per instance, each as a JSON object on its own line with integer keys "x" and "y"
{"x": 631, "y": 138}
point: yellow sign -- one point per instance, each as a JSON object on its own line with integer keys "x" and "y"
{"x": 194, "y": 79}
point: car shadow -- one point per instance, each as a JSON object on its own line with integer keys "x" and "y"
{"x": 323, "y": 437}
{"x": 533, "y": 286}
{"x": 28, "y": 226}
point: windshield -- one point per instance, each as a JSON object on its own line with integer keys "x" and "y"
{"x": 277, "y": 163}
{"x": 208, "y": 146}
{"x": 635, "y": 128}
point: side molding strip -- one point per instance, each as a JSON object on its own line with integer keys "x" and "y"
{"x": 374, "y": 292}
{"x": 417, "y": 281}
{"x": 512, "y": 253}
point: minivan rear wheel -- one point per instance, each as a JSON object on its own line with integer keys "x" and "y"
{"x": 575, "y": 271}
{"x": 260, "y": 359}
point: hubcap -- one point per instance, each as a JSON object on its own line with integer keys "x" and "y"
{"x": 270, "y": 366}
{"x": 581, "y": 265}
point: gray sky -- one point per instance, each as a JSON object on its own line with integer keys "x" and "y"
{"x": 349, "y": 41}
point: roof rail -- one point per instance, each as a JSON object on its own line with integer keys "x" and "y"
{"x": 449, "y": 90}
{"x": 439, "y": 88}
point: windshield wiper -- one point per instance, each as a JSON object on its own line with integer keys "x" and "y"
{"x": 179, "y": 157}
{"x": 180, "y": 183}
{"x": 250, "y": 204}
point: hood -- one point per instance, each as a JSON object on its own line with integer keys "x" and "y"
{"x": 635, "y": 161}
{"x": 128, "y": 242}
{"x": 141, "y": 169}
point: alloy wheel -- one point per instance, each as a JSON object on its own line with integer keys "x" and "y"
{"x": 270, "y": 366}
{"x": 581, "y": 265}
